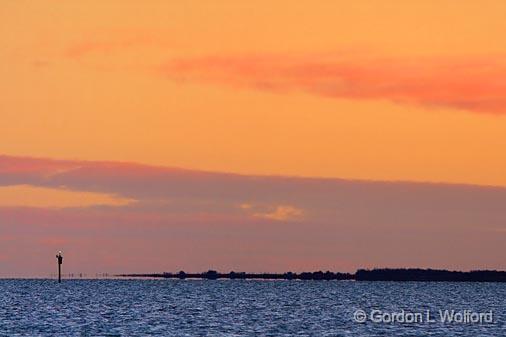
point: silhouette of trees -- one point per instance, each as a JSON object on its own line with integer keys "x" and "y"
{"x": 413, "y": 274}
{"x": 431, "y": 275}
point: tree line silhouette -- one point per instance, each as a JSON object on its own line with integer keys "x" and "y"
{"x": 385, "y": 274}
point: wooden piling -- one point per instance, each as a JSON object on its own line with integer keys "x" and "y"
{"x": 59, "y": 257}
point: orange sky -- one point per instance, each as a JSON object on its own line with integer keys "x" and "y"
{"x": 82, "y": 82}
{"x": 370, "y": 90}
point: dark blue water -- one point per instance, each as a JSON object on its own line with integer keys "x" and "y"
{"x": 242, "y": 308}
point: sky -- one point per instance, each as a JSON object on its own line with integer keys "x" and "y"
{"x": 252, "y": 136}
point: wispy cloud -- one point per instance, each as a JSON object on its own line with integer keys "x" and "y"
{"x": 31, "y": 196}
{"x": 116, "y": 40}
{"x": 476, "y": 84}
{"x": 281, "y": 213}
{"x": 465, "y": 82}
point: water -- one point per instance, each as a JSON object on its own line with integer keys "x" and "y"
{"x": 239, "y": 308}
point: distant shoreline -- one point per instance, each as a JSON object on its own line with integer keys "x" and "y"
{"x": 399, "y": 275}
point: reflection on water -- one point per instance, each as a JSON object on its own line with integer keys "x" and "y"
{"x": 240, "y": 308}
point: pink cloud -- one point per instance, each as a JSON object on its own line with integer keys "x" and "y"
{"x": 472, "y": 84}
{"x": 118, "y": 40}
{"x": 194, "y": 220}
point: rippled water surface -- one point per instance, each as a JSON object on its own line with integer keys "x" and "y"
{"x": 241, "y": 308}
